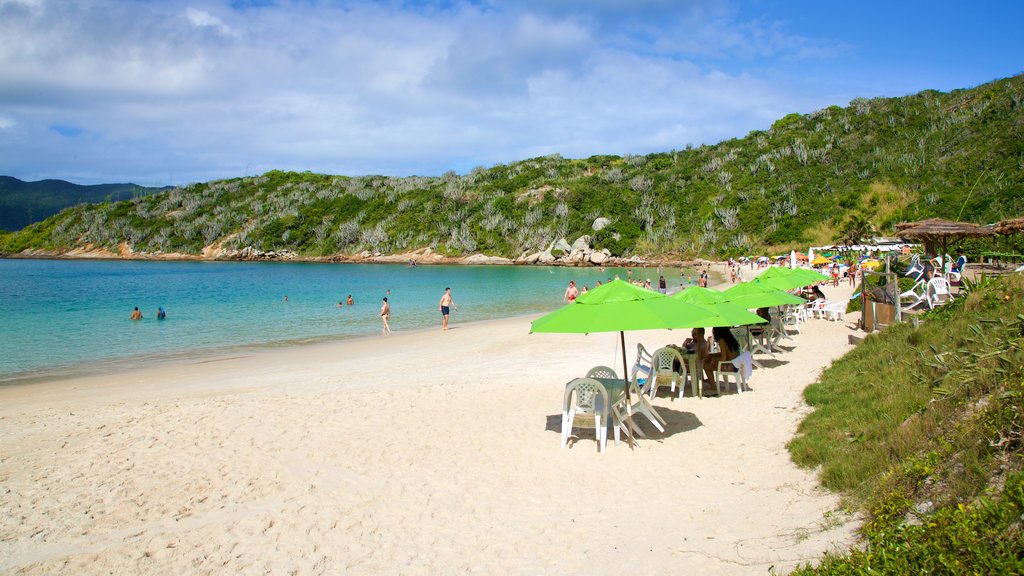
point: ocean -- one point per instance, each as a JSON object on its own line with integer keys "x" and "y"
{"x": 71, "y": 317}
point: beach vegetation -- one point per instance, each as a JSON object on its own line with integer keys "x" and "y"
{"x": 836, "y": 173}
{"x": 921, "y": 429}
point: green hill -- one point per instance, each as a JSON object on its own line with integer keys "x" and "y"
{"x": 957, "y": 155}
{"x": 23, "y": 203}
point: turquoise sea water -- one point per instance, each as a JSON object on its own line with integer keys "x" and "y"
{"x": 60, "y": 317}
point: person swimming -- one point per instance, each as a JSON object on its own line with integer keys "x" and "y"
{"x": 136, "y": 314}
{"x": 160, "y": 314}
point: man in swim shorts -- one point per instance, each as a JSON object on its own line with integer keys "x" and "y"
{"x": 445, "y": 307}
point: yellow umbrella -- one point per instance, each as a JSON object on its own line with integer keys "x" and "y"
{"x": 818, "y": 260}
{"x": 872, "y": 263}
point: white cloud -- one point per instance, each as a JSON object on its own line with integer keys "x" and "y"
{"x": 205, "y": 89}
{"x": 203, "y": 19}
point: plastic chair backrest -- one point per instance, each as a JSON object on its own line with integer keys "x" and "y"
{"x": 590, "y": 395}
{"x": 663, "y": 358}
{"x": 601, "y": 372}
{"x": 939, "y": 285}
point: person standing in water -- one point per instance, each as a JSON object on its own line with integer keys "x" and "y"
{"x": 160, "y": 314}
{"x": 571, "y": 292}
{"x": 385, "y": 315}
{"x": 446, "y": 307}
{"x": 136, "y": 314}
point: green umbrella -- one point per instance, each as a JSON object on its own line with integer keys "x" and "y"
{"x": 619, "y": 306}
{"x": 755, "y": 295}
{"x": 726, "y": 314}
{"x": 699, "y": 295}
{"x": 789, "y": 278}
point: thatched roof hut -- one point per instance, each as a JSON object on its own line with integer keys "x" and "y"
{"x": 938, "y": 233}
{"x": 1011, "y": 226}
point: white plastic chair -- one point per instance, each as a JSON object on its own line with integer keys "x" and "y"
{"x": 742, "y": 366}
{"x": 915, "y": 291}
{"x": 601, "y": 372}
{"x": 791, "y": 317}
{"x": 819, "y": 306}
{"x": 938, "y": 292}
{"x": 624, "y": 419}
{"x": 663, "y": 362}
{"x": 915, "y": 270}
{"x": 836, "y": 311}
{"x": 640, "y": 405}
{"x": 642, "y": 366}
{"x": 588, "y": 397}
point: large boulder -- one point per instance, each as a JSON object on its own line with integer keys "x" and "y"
{"x": 559, "y": 247}
{"x": 600, "y": 224}
{"x": 599, "y": 257}
{"x": 576, "y": 255}
{"x": 545, "y": 258}
{"x": 582, "y": 243}
{"x": 485, "y": 259}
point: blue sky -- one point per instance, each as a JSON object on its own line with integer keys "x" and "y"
{"x": 173, "y": 92}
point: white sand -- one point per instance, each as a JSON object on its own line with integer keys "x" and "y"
{"x": 420, "y": 453}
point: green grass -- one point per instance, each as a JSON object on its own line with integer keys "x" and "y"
{"x": 922, "y": 429}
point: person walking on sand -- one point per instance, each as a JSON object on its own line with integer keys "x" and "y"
{"x": 385, "y": 314}
{"x": 136, "y": 314}
{"x": 446, "y": 307}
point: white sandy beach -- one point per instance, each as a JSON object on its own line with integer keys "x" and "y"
{"x": 419, "y": 453}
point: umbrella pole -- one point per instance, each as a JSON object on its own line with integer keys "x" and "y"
{"x": 629, "y": 403}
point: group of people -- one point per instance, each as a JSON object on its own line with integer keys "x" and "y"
{"x": 160, "y": 314}
{"x": 721, "y": 346}
{"x": 444, "y": 306}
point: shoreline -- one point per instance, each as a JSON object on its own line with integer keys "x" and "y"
{"x": 57, "y": 370}
{"x": 431, "y": 259}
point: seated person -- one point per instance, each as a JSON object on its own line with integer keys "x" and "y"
{"x": 696, "y": 343}
{"x": 758, "y": 329}
{"x": 961, "y": 261}
{"x": 728, "y": 349}
{"x": 817, "y": 293}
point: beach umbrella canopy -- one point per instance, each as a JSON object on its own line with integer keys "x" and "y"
{"x": 699, "y": 295}
{"x": 758, "y": 295}
{"x": 726, "y": 314}
{"x": 819, "y": 260}
{"x": 790, "y": 278}
{"x": 870, "y": 264}
{"x": 619, "y": 306}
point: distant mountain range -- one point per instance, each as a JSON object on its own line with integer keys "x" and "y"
{"x": 22, "y": 203}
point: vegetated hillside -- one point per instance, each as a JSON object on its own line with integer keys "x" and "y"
{"x": 884, "y": 160}
{"x": 922, "y": 429}
{"x": 23, "y": 203}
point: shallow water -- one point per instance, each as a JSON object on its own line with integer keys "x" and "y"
{"x": 60, "y": 317}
